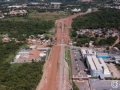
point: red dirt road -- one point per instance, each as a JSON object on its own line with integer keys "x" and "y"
{"x": 50, "y": 83}
{"x": 49, "y": 80}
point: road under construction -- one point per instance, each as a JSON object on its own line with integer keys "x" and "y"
{"x": 55, "y": 73}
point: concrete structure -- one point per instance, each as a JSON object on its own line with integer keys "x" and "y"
{"x": 117, "y": 58}
{"x": 33, "y": 47}
{"x": 85, "y": 52}
{"x": 103, "y": 55}
{"x": 89, "y": 10}
{"x": 43, "y": 49}
{"x": 106, "y": 71}
{"x": 17, "y": 12}
{"x": 56, "y": 4}
{"x": 23, "y": 53}
{"x": 42, "y": 55}
{"x": 97, "y": 67}
{"x": 17, "y": 56}
{"x": 76, "y": 10}
{"x": 34, "y": 3}
{"x": 15, "y": 6}
{"x": 93, "y": 66}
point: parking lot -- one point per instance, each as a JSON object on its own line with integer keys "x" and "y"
{"x": 78, "y": 68}
{"x": 96, "y": 84}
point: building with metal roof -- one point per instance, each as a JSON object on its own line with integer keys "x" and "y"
{"x": 97, "y": 67}
{"x": 102, "y": 55}
{"x": 91, "y": 66}
{"x": 117, "y": 58}
{"x": 86, "y": 51}
{"x": 96, "y": 63}
{"x": 106, "y": 71}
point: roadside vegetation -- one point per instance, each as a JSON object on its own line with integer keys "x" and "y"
{"x": 75, "y": 86}
{"x": 68, "y": 60}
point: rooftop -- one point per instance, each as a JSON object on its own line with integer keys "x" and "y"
{"x": 102, "y": 54}
{"x": 91, "y": 63}
{"x": 118, "y": 57}
{"x": 96, "y": 63}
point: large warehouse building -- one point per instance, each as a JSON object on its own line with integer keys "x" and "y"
{"x": 95, "y": 63}
{"x": 97, "y": 67}
{"x": 102, "y": 55}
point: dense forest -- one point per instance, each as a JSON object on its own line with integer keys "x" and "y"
{"x": 18, "y": 76}
{"x": 22, "y": 29}
{"x": 105, "y": 18}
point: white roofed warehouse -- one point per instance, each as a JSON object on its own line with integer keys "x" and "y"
{"x": 97, "y": 67}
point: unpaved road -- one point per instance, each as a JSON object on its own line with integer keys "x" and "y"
{"x": 51, "y": 79}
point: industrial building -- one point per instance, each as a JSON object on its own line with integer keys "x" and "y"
{"x": 116, "y": 58}
{"x": 32, "y": 53}
{"x": 97, "y": 67}
{"x": 85, "y": 52}
{"x": 106, "y": 71}
{"x": 102, "y": 55}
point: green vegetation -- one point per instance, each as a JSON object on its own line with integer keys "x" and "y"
{"x": 75, "y": 86}
{"x": 7, "y": 49}
{"x": 23, "y": 77}
{"x": 21, "y": 30}
{"x": 109, "y": 41}
{"x": 85, "y": 39}
{"x": 17, "y": 76}
{"x": 106, "y": 18}
{"x": 68, "y": 60}
{"x": 47, "y": 15}
{"x": 118, "y": 45}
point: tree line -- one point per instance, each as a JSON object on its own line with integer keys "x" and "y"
{"x": 22, "y": 29}
{"x": 105, "y": 18}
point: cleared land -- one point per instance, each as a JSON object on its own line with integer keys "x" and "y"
{"x": 51, "y": 68}
{"x": 49, "y": 81}
{"x": 37, "y": 15}
{"x": 114, "y": 70}
{"x": 48, "y": 15}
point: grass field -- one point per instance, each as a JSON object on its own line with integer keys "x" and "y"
{"x": 37, "y": 15}
{"x": 67, "y": 56}
{"x": 48, "y": 15}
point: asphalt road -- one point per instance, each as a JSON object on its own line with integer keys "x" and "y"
{"x": 104, "y": 84}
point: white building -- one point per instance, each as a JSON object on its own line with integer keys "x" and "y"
{"x": 106, "y": 71}
{"x": 97, "y": 67}
{"x": 42, "y": 55}
{"x": 15, "y": 6}
{"x": 86, "y": 51}
{"x": 33, "y": 47}
{"x": 76, "y": 10}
